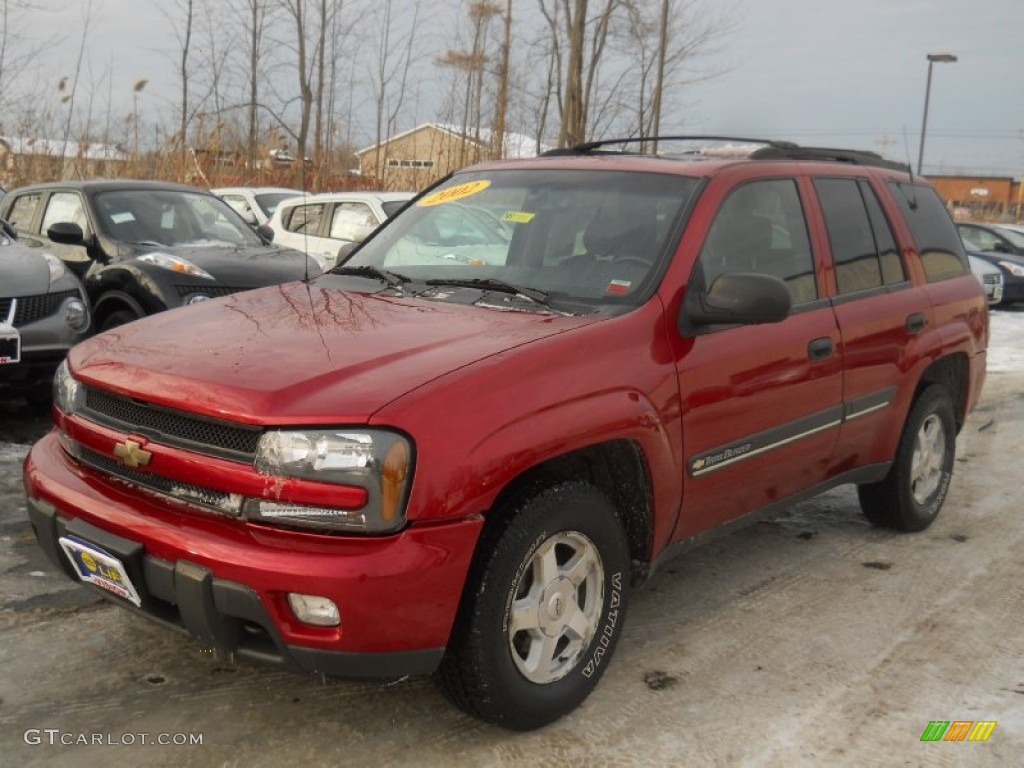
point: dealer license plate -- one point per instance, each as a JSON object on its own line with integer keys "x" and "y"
{"x": 94, "y": 566}
{"x": 10, "y": 344}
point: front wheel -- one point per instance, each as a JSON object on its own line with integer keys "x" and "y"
{"x": 911, "y": 495}
{"x": 542, "y": 611}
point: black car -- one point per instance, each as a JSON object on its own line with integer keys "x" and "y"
{"x": 990, "y": 237}
{"x": 1012, "y": 267}
{"x": 141, "y": 247}
{"x": 43, "y": 313}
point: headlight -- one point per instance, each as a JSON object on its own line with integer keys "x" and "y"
{"x": 76, "y": 315}
{"x": 68, "y": 393}
{"x": 175, "y": 264}
{"x": 377, "y": 461}
{"x": 1014, "y": 269}
{"x": 56, "y": 267}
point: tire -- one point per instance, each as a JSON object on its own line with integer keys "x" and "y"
{"x": 542, "y": 610}
{"x": 911, "y": 495}
{"x": 118, "y": 317}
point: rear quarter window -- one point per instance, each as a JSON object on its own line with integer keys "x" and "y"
{"x": 942, "y": 254}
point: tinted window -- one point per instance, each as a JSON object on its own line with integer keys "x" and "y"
{"x": 760, "y": 227}
{"x": 942, "y": 253}
{"x": 979, "y": 239}
{"x": 888, "y": 252}
{"x": 23, "y": 211}
{"x": 849, "y": 234}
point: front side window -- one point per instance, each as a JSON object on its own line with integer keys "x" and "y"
{"x": 64, "y": 207}
{"x": 979, "y": 239}
{"x": 590, "y": 237}
{"x": 942, "y": 253}
{"x": 760, "y": 227}
{"x": 352, "y": 221}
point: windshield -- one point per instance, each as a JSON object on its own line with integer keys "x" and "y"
{"x": 170, "y": 217}
{"x": 1015, "y": 237}
{"x": 590, "y": 237}
{"x": 268, "y": 202}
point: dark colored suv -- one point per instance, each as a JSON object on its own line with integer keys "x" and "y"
{"x": 142, "y": 247}
{"x": 457, "y": 456}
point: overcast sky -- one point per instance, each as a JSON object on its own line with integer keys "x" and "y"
{"x": 828, "y": 72}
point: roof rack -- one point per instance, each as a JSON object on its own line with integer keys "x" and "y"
{"x": 769, "y": 149}
{"x": 589, "y": 146}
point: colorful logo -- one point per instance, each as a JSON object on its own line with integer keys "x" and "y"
{"x": 451, "y": 194}
{"x": 958, "y": 730}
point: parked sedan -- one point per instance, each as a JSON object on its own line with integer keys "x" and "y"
{"x": 43, "y": 313}
{"x": 142, "y": 247}
{"x": 255, "y": 204}
{"x": 322, "y": 224}
{"x": 1012, "y": 267}
{"x": 990, "y": 277}
{"x": 991, "y": 237}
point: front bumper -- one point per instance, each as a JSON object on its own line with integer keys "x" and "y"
{"x": 225, "y": 582}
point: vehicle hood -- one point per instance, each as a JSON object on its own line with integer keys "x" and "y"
{"x": 23, "y": 271}
{"x": 239, "y": 266}
{"x": 301, "y": 353}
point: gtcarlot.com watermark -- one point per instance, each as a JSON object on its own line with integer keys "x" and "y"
{"x": 55, "y": 737}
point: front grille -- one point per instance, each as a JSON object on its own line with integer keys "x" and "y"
{"x": 189, "y": 493}
{"x": 992, "y": 279}
{"x": 209, "y": 290}
{"x": 36, "y": 307}
{"x": 206, "y": 436}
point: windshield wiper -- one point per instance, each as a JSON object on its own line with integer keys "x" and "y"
{"x": 492, "y": 284}
{"x": 393, "y": 279}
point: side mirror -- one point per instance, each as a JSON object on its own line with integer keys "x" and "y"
{"x": 345, "y": 251}
{"x": 745, "y": 298}
{"x": 66, "y": 233}
{"x": 1000, "y": 247}
{"x": 265, "y": 232}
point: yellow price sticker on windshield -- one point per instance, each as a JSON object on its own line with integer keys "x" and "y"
{"x": 518, "y": 217}
{"x": 458, "y": 192}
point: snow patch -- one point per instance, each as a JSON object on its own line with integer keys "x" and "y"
{"x": 13, "y": 452}
{"x": 1006, "y": 343}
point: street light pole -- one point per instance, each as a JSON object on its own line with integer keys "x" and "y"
{"x": 932, "y": 58}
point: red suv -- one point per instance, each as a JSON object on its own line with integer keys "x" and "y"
{"x": 457, "y": 452}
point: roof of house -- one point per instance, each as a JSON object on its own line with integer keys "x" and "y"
{"x": 517, "y": 145}
{"x": 22, "y": 145}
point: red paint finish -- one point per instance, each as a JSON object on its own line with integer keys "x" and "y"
{"x": 485, "y": 396}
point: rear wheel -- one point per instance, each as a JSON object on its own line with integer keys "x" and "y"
{"x": 542, "y": 611}
{"x": 911, "y": 495}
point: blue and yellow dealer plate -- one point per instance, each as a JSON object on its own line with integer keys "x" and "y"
{"x": 94, "y": 566}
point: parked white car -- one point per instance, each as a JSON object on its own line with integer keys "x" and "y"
{"x": 990, "y": 277}
{"x": 321, "y": 224}
{"x": 255, "y": 204}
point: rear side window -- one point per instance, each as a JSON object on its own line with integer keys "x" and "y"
{"x": 23, "y": 210}
{"x": 863, "y": 249}
{"x": 942, "y": 253}
{"x": 305, "y": 218}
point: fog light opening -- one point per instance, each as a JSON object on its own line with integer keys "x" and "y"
{"x": 315, "y": 610}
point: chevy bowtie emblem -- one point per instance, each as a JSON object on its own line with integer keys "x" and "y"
{"x": 131, "y": 453}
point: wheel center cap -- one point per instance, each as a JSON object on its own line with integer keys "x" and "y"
{"x": 556, "y": 606}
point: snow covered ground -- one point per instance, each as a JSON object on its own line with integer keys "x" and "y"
{"x": 1006, "y": 347}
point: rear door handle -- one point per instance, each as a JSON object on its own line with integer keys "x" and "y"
{"x": 916, "y": 322}
{"x": 819, "y": 349}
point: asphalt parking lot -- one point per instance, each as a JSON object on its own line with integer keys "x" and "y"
{"x": 813, "y": 639}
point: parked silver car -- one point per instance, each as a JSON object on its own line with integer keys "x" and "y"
{"x": 43, "y": 313}
{"x": 990, "y": 277}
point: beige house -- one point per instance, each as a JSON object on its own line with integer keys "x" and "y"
{"x": 24, "y": 160}
{"x": 421, "y": 156}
